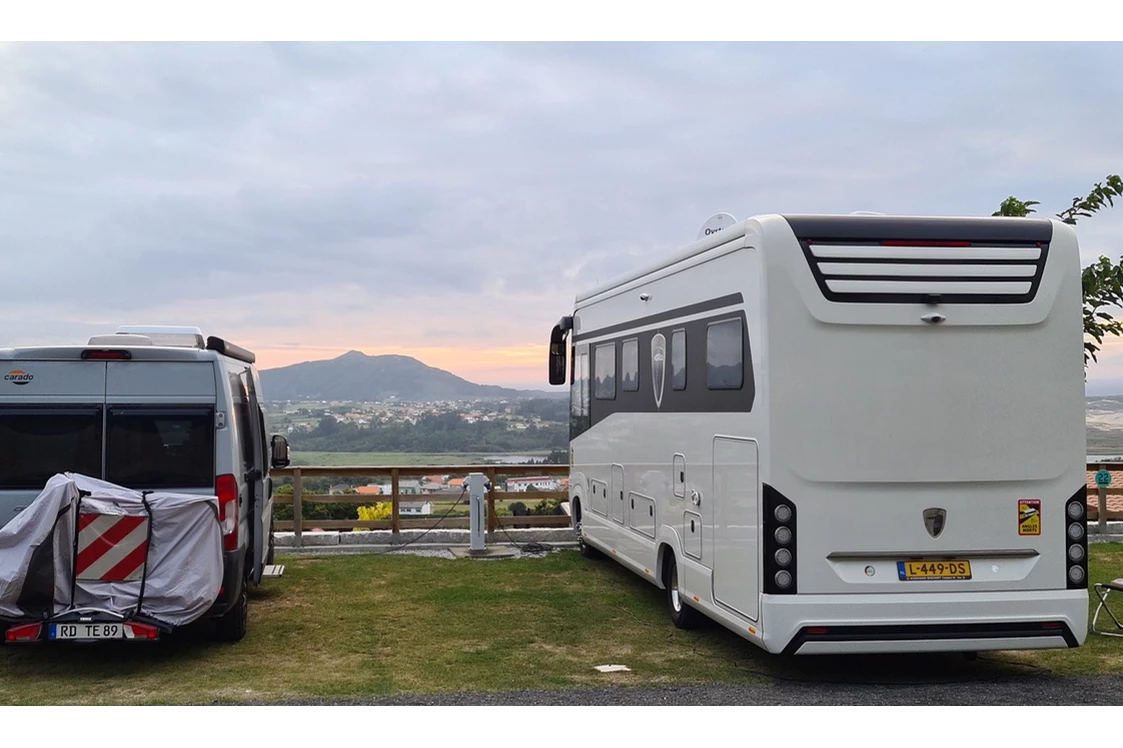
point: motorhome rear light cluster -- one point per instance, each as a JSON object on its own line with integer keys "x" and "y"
{"x": 226, "y": 489}
{"x": 927, "y": 271}
{"x": 779, "y": 543}
{"x": 117, "y": 355}
{"x": 28, "y": 632}
{"x": 1076, "y": 537}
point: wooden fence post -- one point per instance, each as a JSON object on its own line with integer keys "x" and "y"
{"x": 491, "y": 500}
{"x": 1101, "y": 509}
{"x": 395, "y": 516}
{"x": 297, "y": 508}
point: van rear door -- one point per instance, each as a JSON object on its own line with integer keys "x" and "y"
{"x": 160, "y": 425}
{"x": 50, "y": 422}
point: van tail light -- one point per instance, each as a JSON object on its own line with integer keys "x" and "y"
{"x": 142, "y": 631}
{"x": 226, "y": 489}
{"x": 111, "y": 355}
{"x": 28, "y": 632}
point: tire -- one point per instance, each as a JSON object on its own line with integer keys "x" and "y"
{"x": 682, "y": 615}
{"x": 586, "y": 550}
{"x": 231, "y": 627}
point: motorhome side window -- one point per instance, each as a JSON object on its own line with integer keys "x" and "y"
{"x": 724, "y": 356}
{"x": 604, "y": 360}
{"x": 629, "y": 355}
{"x": 37, "y": 443}
{"x": 579, "y": 420}
{"x": 678, "y": 360}
{"x": 160, "y": 447}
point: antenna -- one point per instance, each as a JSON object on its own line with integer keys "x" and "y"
{"x": 716, "y": 223}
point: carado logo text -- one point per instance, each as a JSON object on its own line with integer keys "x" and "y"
{"x": 18, "y": 376}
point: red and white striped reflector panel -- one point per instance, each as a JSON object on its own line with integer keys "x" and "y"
{"x": 111, "y": 547}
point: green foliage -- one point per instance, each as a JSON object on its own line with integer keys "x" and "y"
{"x": 437, "y": 432}
{"x": 311, "y": 509}
{"x": 381, "y": 510}
{"x": 1102, "y": 280}
{"x": 546, "y": 506}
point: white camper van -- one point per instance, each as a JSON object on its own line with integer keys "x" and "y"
{"x": 153, "y": 409}
{"x": 838, "y": 434}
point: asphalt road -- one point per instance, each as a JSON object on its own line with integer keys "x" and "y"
{"x": 1027, "y": 691}
{"x": 1030, "y": 688}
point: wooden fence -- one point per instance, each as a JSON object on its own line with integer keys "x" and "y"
{"x": 495, "y": 474}
{"x": 1098, "y": 509}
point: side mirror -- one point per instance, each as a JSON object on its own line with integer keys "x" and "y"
{"x": 557, "y": 364}
{"x": 279, "y": 447}
{"x": 558, "y": 373}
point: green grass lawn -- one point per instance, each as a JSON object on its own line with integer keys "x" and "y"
{"x": 346, "y": 627}
{"x": 363, "y": 459}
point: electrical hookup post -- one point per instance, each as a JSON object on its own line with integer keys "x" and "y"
{"x": 478, "y": 487}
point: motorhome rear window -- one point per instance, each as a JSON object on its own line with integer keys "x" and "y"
{"x": 37, "y": 443}
{"x": 160, "y": 447}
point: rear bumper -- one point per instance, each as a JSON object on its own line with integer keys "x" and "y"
{"x": 938, "y": 622}
{"x": 42, "y": 630}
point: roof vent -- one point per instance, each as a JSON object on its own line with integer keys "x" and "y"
{"x": 167, "y": 335}
{"x": 120, "y": 339}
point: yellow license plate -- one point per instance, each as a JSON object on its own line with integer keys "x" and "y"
{"x": 908, "y": 570}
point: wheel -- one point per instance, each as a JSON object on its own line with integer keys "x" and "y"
{"x": 587, "y": 550}
{"x": 231, "y": 627}
{"x": 682, "y": 615}
{"x": 272, "y": 552}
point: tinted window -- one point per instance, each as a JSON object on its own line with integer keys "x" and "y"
{"x": 724, "y": 367}
{"x": 629, "y": 375}
{"x": 242, "y": 423}
{"x": 245, "y": 434}
{"x": 605, "y": 361}
{"x": 160, "y": 447}
{"x": 678, "y": 360}
{"x": 37, "y": 443}
{"x": 579, "y": 396}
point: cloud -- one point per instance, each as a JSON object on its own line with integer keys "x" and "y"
{"x": 435, "y": 195}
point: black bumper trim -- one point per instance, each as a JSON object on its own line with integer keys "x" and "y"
{"x": 919, "y": 632}
{"x": 233, "y": 577}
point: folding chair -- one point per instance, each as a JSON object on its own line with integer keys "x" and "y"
{"x": 1103, "y": 589}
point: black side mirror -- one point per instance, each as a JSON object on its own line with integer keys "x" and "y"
{"x": 279, "y": 447}
{"x": 558, "y": 373}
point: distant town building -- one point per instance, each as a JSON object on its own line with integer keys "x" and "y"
{"x": 535, "y": 483}
{"x": 416, "y": 508}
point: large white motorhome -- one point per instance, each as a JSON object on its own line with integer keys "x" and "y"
{"x": 842, "y": 434}
{"x": 152, "y": 409}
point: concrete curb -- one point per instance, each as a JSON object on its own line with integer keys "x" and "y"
{"x": 432, "y": 538}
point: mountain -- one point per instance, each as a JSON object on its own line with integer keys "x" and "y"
{"x": 358, "y": 377}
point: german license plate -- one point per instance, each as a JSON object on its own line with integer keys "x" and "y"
{"x": 909, "y": 570}
{"x": 87, "y": 631}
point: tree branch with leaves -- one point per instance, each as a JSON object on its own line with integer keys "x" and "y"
{"x": 1103, "y": 279}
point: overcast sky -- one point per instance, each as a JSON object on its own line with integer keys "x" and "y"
{"x": 447, "y": 201}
